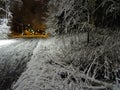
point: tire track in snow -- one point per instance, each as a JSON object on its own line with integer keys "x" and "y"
{"x": 35, "y": 76}
{"x": 13, "y": 60}
{"x": 40, "y": 74}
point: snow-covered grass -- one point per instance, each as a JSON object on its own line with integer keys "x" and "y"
{"x": 67, "y": 63}
{"x": 63, "y": 63}
{"x": 43, "y": 71}
{"x": 94, "y": 66}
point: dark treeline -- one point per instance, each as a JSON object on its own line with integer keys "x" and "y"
{"x": 70, "y": 16}
{"x": 30, "y": 12}
{"x": 107, "y": 13}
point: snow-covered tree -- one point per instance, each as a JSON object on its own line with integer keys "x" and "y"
{"x": 72, "y": 16}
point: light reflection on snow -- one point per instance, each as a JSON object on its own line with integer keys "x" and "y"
{"x": 6, "y": 42}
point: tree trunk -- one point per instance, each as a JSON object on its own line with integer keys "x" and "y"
{"x": 91, "y": 18}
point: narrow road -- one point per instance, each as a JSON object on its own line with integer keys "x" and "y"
{"x": 31, "y": 58}
{"x": 14, "y": 54}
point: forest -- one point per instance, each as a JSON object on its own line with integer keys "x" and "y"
{"x": 82, "y": 51}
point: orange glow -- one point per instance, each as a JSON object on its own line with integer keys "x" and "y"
{"x": 39, "y": 27}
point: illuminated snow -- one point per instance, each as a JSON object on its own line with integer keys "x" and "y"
{"x": 7, "y": 42}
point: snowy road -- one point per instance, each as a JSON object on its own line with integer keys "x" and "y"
{"x": 13, "y": 51}
{"x": 37, "y": 52}
{"x": 14, "y": 54}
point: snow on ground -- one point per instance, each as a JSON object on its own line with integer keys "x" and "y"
{"x": 42, "y": 56}
{"x": 13, "y": 59}
{"x": 39, "y": 73}
{"x": 12, "y": 54}
{"x": 42, "y": 72}
{"x": 45, "y": 63}
{"x": 7, "y": 42}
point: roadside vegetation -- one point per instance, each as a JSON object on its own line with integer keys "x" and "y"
{"x": 94, "y": 63}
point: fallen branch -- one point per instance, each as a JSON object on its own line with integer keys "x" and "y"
{"x": 93, "y": 87}
{"x": 81, "y": 75}
{"x": 108, "y": 85}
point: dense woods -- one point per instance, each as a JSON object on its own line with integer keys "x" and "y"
{"x": 71, "y": 15}
{"x": 100, "y": 20}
